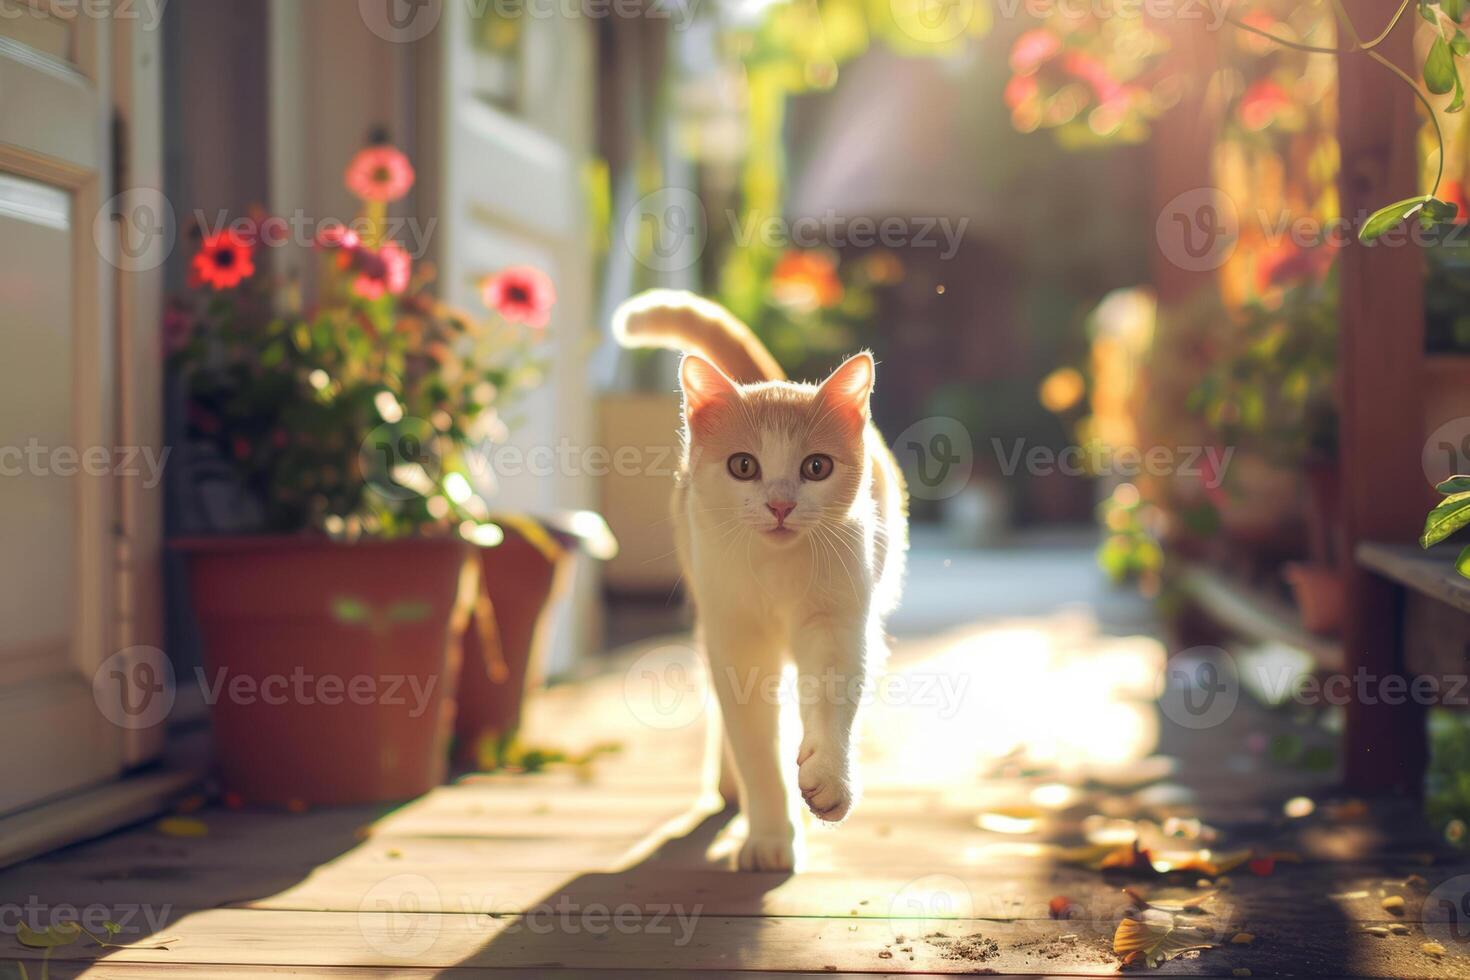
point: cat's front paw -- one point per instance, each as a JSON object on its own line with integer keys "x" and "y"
{"x": 775, "y": 852}
{"x": 825, "y": 784}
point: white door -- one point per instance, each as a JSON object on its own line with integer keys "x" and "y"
{"x": 58, "y": 377}
{"x": 514, "y": 106}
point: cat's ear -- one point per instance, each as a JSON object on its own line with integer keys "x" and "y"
{"x": 705, "y": 386}
{"x": 848, "y": 388}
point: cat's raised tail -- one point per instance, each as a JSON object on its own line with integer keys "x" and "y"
{"x": 677, "y": 320}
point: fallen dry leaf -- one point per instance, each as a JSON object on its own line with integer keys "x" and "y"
{"x": 1394, "y": 904}
{"x": 1242, "y": 939}
{"x": 1154, "y": 938}
{"x": 182, "y": 827}
{"x": 1433, "y": 949}
{"x": 1060, "y": 907}
{"x": 1130, "y": 858}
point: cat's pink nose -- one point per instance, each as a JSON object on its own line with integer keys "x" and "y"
{"x": 781, "y": 508}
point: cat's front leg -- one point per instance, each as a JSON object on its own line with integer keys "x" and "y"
{"x": 831, "y": 659}
{"x": 745, "y": 673}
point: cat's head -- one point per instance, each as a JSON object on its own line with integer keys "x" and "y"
{"x": 776, "y": 458}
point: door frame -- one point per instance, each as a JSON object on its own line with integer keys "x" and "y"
{"x": 115, "y": 80}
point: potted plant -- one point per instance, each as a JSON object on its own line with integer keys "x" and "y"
{"x": 505, "y": 647}
{"x": 1275, "y": 398}
{"x": 331, "y": 640}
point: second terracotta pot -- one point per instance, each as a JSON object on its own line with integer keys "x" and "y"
{"x": 505, "y": 646}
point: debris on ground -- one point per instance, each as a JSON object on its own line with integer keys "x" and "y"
{"x": 974, "y": 949}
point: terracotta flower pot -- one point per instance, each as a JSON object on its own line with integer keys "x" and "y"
{"x": 330, "y": 668}
{"x": 1321, "y": 596}
{"x": 504, "y": 650}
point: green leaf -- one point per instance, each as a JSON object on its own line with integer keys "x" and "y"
{"x": 1451, "y": 514}
{"x": 1439, "y": 68}
{"x": 1460, "y": 44}
{"x": 1458, "y": 102}
{"x": 1427, "y": 11}
{"x": 348, "y": 609}
{"x": 111, "y": 927}
{"x": 61, "y": 934}
{"x": 1389, "y": 216}
{"x": 1458, "y": 483}
{"x": 1453, "y": 9}
{"x": 1462, "y": 563}
{"x": 1439, "y": 210}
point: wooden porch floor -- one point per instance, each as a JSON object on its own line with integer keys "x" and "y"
{"x": 969, "y": 853}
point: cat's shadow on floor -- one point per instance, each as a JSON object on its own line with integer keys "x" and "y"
{"x": 671, "y": 892}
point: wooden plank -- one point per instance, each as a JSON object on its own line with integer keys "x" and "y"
{"x": 587, "y": 938}
{"x": 1437, "y": 645}
{"x": 1255, "y": 614}
{"x": 1380, "y": 366}
{"x": 1297, "y": 895}
{"x": 204, "y": 971}
{"x": 1431, "y": 572}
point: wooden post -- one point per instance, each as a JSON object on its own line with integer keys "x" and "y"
{"x": 1381, "y": 350}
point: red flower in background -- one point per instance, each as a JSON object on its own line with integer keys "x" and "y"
{"x": 1094, "y": 73}
{"x": 1031, "y": 49}
{"x": 1453, "y": 192}
{"x": 386, "y": 270}
{"x": 521, "y": 294}
{"x": 380, "y": 173}
{"x": 223, "y": 260}
{"x": 806, "y": 280}
{"x": 1289, "y": 263}
{"x": 1262, "y": 103}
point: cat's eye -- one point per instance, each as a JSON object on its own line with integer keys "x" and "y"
{"x": 743, "y": 466}
{"x": 817, "y": 466}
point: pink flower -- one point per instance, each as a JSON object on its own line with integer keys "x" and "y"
{"x": 337, "y": 236}
{"x": 386, "y": 270}
{"x": 379, "y": 173}
{"x": 521, "y": 294}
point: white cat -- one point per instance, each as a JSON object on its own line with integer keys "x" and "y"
{"x": 791, "y": 524}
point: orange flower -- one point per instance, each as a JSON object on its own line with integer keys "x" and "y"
{"x": 223, "y": 260}
{"x": 521, "y": 294}
{"x": 806, "y": 280}
{"x": 1262, "y": 103}
{"x": 380, "y": 173}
